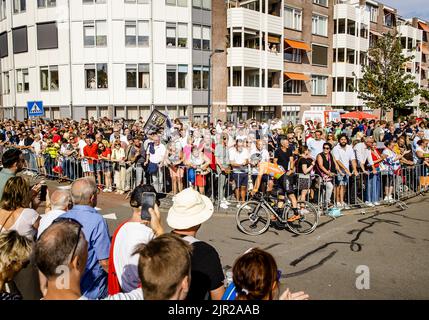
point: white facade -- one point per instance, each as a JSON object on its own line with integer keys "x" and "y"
{"x": 112, "y": 20}
{"x": 412, "y": 40}
{"x": 255, "y": 55}
{"x": 350, "y": 43}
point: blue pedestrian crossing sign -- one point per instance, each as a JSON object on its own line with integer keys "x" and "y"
{"x": 35, "y": 108}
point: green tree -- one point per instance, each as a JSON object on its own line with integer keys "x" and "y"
{"x": 386, "y": 84}
{"x": 424, "y": 104}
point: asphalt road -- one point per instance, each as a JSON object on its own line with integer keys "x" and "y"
{"x": 390, "y": 244}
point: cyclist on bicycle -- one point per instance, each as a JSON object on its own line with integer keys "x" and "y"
{"x": 285, "y": 184}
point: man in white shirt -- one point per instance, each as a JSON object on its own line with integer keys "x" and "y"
{"x": 57, "y": 204}
{"x": 344, "y": 155}
{"x": 154, "y": 160}
{"x": 239, "y": 158}
{"x": 134, "y": 232}
{"x": 363, "y": 157}
{"x": 315, "y": 146}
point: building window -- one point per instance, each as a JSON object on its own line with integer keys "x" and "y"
{"x": 182, "y": 35}
{"x": 20, "y": 42}
{"x": 22, "y": 80}
{"x": 364, "y": 31}
{"x": 200, "y": 77}
{"x": 171, "y": 76}
{"x": 350, "y": 86}
{"x": 96, "y": 76}
{"x": 341, "y": 26}
{"x": 319, "y": 85}
{"x": 49, "y": 79}
{"x": 341, "y": 55}
{"x": 320, "y": 25}
{"x": 201, "y": 37}
{"x": 95, "y": 33}
{"x": 46, "y": 3}
{"x": 202, "y": 4}
{"x": 206, "y": 38}
{"x": 4, "y": 46}
{"x": 3, "y": 10}
{"x": 373, "y": 13}
{"x": 196, "y": 37}
{"x": 93, "y": 1}
{"x": 179, "y": 3}
{"x": 182, "y": 76}
{"x": 137, "y": 33}
{"x": 292, "y": 86}
{"x": 138, "y": 76}
{"x": 47, "y": 36}
{"x": 351, "y": 27}
{"x": 350, "y": 56}
{"x": 389, "y": 19}
{"x": 19, "y": 6}
{"x": 319, "y": 55}
{"x": 6, "y": 83}
{"x": 293, "y": 55}
{"x": 138, "y": 1}
{"x": 293, "y": 18}
{"x": 171, "y": 34}
{"x": 321, "y": 2}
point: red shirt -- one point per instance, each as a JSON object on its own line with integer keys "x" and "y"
{"x": 91, "y": 152}
{"x": 107, "y": 152}
{"x": 56, "y": 138}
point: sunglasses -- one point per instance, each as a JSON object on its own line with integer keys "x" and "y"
{"x": 78, "y": 232}
{"x": 326, "y": 148}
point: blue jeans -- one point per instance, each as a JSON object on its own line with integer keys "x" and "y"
{"x": 372, "y": 193}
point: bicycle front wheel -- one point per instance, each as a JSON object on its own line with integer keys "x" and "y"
{"x": 308, "y": 218}
{"x": 253, "y": 218}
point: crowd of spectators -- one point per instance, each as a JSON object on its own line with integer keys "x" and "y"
{"x": 221, "y": 160}
{"x": 69, "y": 252}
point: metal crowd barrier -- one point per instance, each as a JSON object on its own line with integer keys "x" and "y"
{"x": 361, "y": 191}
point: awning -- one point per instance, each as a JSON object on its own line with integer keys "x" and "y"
{"x": 297, "y": 45}
{"x": 424, "y": 26}
{"x": 272, "y": 39}
{"x": 376, "y": 33}
{"x": 297, "y": 76}
{"x": 425, "y": 49}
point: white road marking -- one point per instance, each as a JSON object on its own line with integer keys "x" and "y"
{"x": 110, "y": 216}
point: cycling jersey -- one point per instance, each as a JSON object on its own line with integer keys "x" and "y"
{"x": 274, "y": 170}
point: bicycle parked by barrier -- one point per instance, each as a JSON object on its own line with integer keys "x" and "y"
{"x": 254, "y": 216}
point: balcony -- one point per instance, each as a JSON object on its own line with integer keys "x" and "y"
{"x": 242, "y": 17}
{"x": 346, "y": 99}
{"x": 254, "y": 96}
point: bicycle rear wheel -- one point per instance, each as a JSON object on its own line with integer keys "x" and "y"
{"x": 308, "y": 221}
{"x": 253, "y": 218}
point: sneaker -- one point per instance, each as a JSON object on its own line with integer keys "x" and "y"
{"x": 339, "y": 205}
{"x": 386, "y": 199}
{"x": 223, "y": 205}
{"x": 346, "y": 206}
{"x": 369, "y": 204}
{"x": 226, "y": 202}
{"x": 377, "y": 203}
{"x": 247, "y": 207}
{"x": 238, "y": 205}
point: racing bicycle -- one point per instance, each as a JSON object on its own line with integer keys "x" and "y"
{"x": 254, "y": 216}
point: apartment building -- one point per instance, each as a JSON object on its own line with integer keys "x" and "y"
{"x": 253, "y": 41}
{"x": 95, "y": 58}
{"x": 423, "y": 26}
{"x": 308, "y": 32}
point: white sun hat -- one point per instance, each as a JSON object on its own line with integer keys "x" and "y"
{"x": 190, "y": 208}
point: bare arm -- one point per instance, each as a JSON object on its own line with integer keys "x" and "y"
{"x": 217, "y": 293}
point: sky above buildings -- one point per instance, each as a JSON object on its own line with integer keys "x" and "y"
{"x": 410, "y": 8}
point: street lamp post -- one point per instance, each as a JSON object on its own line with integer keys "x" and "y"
{"x": 209, "y": 112}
